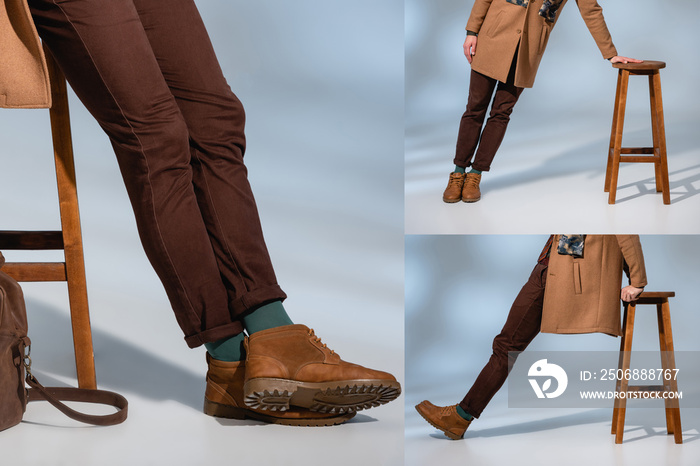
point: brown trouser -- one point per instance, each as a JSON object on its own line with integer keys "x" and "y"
{"x": 147, "y": 72}
{"x": 470, "y": 134}
{"x": 522, "y": 325}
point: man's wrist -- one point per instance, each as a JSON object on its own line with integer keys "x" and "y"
{"x": 472, "y": 33}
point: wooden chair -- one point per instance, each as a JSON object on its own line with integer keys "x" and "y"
{"x": 69, "y": 238}
{"x": 655, "y": 154}
{"x": 673, "y": 412}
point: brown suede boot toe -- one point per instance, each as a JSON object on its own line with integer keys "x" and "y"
{"x": 471, "y": 191}
{"x": 224, "y": 398}
{"x": 445, "y": 419}
{"x": 289, "y": 366}
{"x": 453, "y": 191}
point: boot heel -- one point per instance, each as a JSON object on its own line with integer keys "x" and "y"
{"x": 218, "y": 410}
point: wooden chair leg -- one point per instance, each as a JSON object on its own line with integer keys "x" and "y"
{"x": 658, "y": 115}
{"x": 70, "y": 223}
{"x": 619, "y": 119}
{"x": 613, "y": 133}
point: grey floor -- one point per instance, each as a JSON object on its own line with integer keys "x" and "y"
{"x": 572, "y": 437}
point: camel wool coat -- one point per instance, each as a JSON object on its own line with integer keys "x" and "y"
{"x": 24, "y": 78}
{"x": 504, "y": 27}
{"x": 582, "y": 294}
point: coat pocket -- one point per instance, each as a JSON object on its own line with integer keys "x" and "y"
{"x": 577, "y": 278}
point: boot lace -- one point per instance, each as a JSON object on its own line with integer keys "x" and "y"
{"x": 455, "y": 179}
{"x": 472, "y": 181}
{"x": 447, "y": 410}
{"x": 317, "y": 339}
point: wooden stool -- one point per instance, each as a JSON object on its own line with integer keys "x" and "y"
{"x": 617, "y": 153}
{"x": 668, "y": 363}
{"x": 69, "y": 238}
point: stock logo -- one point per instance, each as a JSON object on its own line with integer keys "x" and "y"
{"x": 543, "y": 370}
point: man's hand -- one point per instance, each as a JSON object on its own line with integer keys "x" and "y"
{"x": 630, "y": 293}
{"x": 470, "y": 48}
{"x": 619, "y": 59}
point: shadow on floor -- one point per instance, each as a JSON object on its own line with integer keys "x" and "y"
{"x": 120, "y": 365}
{"x": 640, "y": 423}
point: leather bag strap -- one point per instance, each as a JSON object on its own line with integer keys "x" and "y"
{"x": 55, "y": 396}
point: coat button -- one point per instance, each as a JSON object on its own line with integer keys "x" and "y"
{"x": 519, "y": 31}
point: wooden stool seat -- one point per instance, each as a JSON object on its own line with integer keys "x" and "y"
{"x": 655, "y": 154}
{"x": 646, "y": 65}
{"x": 673, "y": 412}
{"x": 68, "y": 239}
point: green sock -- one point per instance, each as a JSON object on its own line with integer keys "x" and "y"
{"x": 464, "y": 414}
{"x": 459, "y": 169}
{"x": 475, "y": 171}
{"x": 270, "y": 315}
{"x": 227, "y": 349}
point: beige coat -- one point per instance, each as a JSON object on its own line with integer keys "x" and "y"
{"x": 582, "y": 295}
{"x": 24, "y": 79}
{"x": 501, "y": 26}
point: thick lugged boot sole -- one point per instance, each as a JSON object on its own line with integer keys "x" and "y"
{"x": 230, "y": 412}
{"x": 345, "y": 396}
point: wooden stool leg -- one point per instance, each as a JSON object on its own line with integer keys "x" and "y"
{"x": 70, "y": 224}
{"x": 657, "y": 115}
{"x": 655, "y": 135}
{"x": 673, "y": 411}
{"x": 613, "y": 133}
{"x": 664, "y": 365}
{"x": 620, "y": 405}
{"x": 616, "y": 403}
{"x": 619, "y": 120}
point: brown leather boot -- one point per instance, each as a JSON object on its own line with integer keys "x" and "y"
{"x": 470, "y": 191}
{"x": 445, "y": 419}
{"x": 290, "y": 366}
{"x": 224, "y": 398}
{"x": 453, "y": 191}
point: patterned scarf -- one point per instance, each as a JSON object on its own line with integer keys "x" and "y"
{"x": 548, "y": 10}
{"x": 571, "y": 245}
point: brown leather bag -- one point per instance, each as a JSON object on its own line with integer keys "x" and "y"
{"x": 15, "y": 362}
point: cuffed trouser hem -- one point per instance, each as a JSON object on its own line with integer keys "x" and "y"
{"x": 468, "y": 410}
{"x": 214, "y": 334}
{"x": 470, "y": 165}
{"x": 254, "y": 299}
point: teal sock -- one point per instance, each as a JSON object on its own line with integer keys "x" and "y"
{"x": 459, "y": 169}
{"x": 464, "y": 414}
{"x": 475, "y": 171}
{"x": 227, "y": 349}
{"x": 270, "y": 315}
